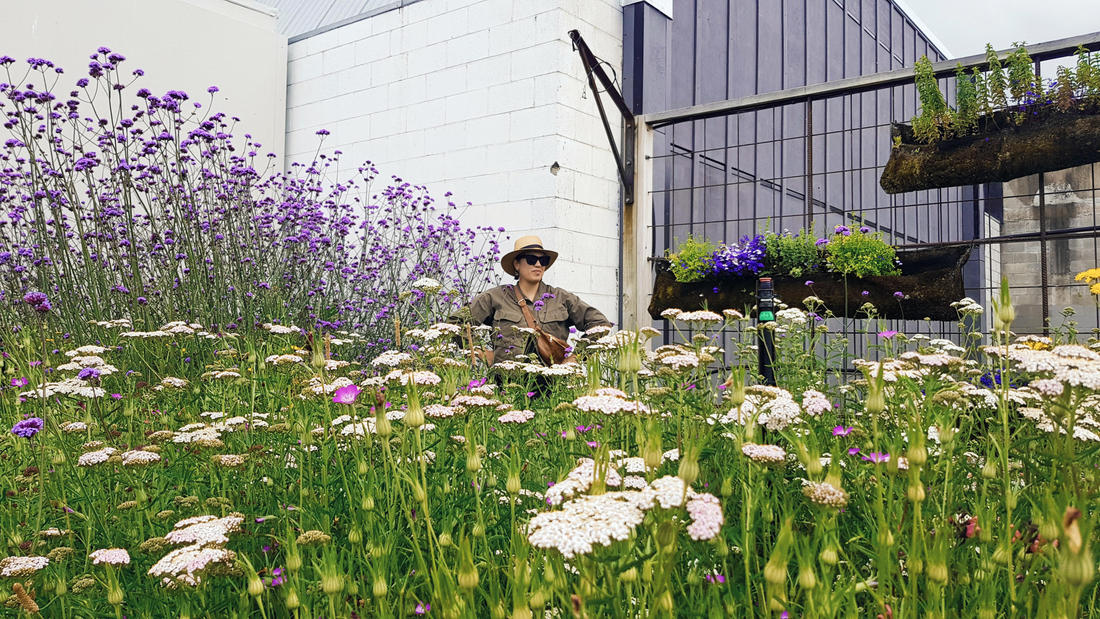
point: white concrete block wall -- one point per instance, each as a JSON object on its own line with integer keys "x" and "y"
{"x": 477, "y": 97}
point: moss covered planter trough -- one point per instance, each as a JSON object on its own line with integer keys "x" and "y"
{"x": 1003, "y": 151}
{"x": 931, "y": 279}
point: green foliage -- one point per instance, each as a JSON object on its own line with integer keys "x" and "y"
{"x": 1088, "y": 73}
{"x": 966, "y": 102}
{"x": 996, "y": 79}
{"x": 693, "y": 261}
{"x": 1064, "y": 91}
{"x": 981, "y": 91}
{"x": 791, "y": 255}
{"x": 934, "y": 115}
{"x": 860, "y": 254}
{"x": 1021, "y": 76}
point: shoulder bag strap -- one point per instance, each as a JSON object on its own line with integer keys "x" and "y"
{"x": 526, "y": 311}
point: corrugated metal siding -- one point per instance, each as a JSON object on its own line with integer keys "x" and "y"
{"x": 299, "y": 19}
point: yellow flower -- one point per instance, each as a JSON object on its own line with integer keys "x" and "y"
{"x": 1095, "y": 289}
{"x": 1088, "y": 276}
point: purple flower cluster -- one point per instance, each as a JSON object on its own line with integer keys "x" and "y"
{"x": 743, "y": 258}
{"x": 160, "y": 209}
{"x": 28, "y": 427}
{"x": 38, "y": 300}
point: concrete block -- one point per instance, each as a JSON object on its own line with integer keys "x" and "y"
{"x": 305, "y": 68}
{"x": 373, "y": 48}
{"x": 448, "y": 137}
{"x": 537, "y": 60}
{"x": 425, "y": 115}
{"x": 447, "y": 82}
{"x": 512, "y": 36}
{"x": 294, "y": 51}
{"x": 486, "y": 188}
{"x": 487, "y": 131}
{"x": 428, "y": 59}
{"x": 490, "y": 71}
{"x": 389, "y": 69}
{"x": 387, "y": 122}
{"x": 468, "y": 48}
{"x": 550, "y": 87}
{"x": 352, "y": 130}
{"x": 316, "y": 89}
{"x": 467, "y": 105}
{"x": 320, "y": 42}
{"x": 508, "y": 156}
{"x": 488, "y": 14}
{"x": 353, "y": 79}
{"x": 532, "y": 122}
{"x": 303, "y": 116}
{"x": 417, "y": 11}
{"x": 530, "y": 184}
{"x": 388, "y": 21}
{"x": 446, "y": 26}
{"x": 466, "y": 162}
{"x": 407, "y": 91}
{"x": 511, "y": 96}
{"x": 410, "y": 36}
{"x": 355, "y": 31}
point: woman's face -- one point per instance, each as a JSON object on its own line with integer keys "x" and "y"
{"x": 530, "y": 273}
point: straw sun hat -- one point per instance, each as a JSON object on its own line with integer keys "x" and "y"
{"x": 524, "y": 244}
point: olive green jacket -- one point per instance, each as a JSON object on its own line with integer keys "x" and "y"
{"x": 554, "y": 309}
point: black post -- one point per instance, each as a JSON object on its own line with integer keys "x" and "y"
{"x": 765, "y": 338}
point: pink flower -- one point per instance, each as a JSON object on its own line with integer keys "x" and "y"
{"x": 346, "y": 395}
{"x": 422, "y": 608}
{"x": 19, "y": 382}
{"x": 876, "y": 457}
{"x": 842, "y": 430}
{"x": 853, "y": 451}
{"x": 889, "y": 333}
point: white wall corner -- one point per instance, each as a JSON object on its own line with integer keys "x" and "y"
{"x": 664, "y": 6}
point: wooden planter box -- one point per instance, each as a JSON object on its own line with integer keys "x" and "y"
{"x": 931, "y": 280}
{"x": 1003, "y": 151}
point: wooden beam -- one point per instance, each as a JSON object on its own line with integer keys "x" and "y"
{"x": 637, "y": 235}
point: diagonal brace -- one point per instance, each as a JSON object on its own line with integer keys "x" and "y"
{"x": 595, "y": 72}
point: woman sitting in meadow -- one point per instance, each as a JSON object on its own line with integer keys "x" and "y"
{"x": 551, "y": 309}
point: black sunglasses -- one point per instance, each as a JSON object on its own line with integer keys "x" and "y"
{"x": 533, "y": 260}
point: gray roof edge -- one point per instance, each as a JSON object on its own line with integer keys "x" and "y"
{"x": 396, "y": 4}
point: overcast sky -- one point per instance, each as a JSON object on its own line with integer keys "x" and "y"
{"x": 965, "y": 26}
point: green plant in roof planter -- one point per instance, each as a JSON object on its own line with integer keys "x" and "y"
{"x": 1006, "y": 123}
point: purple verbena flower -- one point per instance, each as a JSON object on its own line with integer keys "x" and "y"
{"x": 28, "y": 427}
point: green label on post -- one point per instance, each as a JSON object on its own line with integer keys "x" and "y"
{"x": 767, "y": 315}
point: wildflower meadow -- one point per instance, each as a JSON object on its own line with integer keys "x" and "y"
{"x": 230, "y": 391}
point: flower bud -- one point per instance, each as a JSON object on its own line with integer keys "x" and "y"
{"x": 689, "y": 469}
{"x": 293, "y": 561}
{"x": 479, "y": 529}
{"x": 114, "y": 595}
{"x": 1002, "y": 554}
{"x": 1078, "y": 569}
{"x": 467, "y": 577}
{"x": 937, "y": 572}
{"x": 414, "y": 415}
{"x": 666, "y": 534}
{"x": 537, "y": 600}
{"x": 367, "y": 503}
{"x": 986, "y": 613}
{"x": 355, "y": 536}
{"x": 774, "y": 572}
{"x": 382, "y": 426}
{"x": 829, "y": 555}
{"x": 629, "y": 575}
{"x": 362, "y": 468}
{"x": 498, "y": 612}
{"x": 473, "y": 462}
{"x": 378, "y": 587}
{"x": 332, "y": 584}
{"x": 727, "y": 488}
{"x": 1048, "y": 530}
{"x": 720, "y": 547}
{"x": 513, "y": 485}
{"x": 876, "y": 401}
{"x": 806, "y": 577}
{"x": 652, "y": 454}
{"x": 255, "y": 586}
{"x": 664, "y": 601}
{"x": 915, "y": 492}
{"x": 884, "y": 537}
{"x": 917, "y": 455}
{"x": 570, "y": 433}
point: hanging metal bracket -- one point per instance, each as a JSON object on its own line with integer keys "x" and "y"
{"x": 624, "y": 159}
